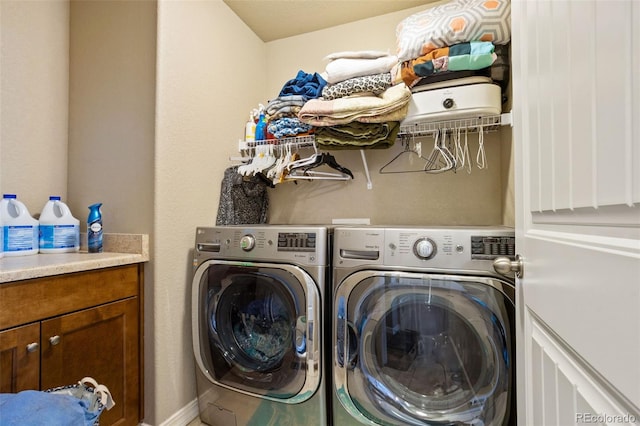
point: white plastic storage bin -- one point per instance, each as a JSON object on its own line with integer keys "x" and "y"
{"x": 454, "y": 103}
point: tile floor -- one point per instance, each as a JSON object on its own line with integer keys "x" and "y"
{"x": 196, "y": 422}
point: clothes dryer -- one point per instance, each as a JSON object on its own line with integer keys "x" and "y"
{"x": 423, "y": 329}
{"x": 257, "y": 311}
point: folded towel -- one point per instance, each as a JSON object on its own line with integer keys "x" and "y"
{"x": 344, "y": 68}
{"x": 390, "y": 105}
{"x": 374, "y": 84}
{"x": 361, "y": 54}
{"x": 357, "y": 135}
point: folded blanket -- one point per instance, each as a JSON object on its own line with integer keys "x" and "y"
{"x": 308, "y": 85}
{"x": 285, "y": 104}
{"x": 287, "y": 127}
{"x": 374, "y": 84}
{"x": 392, "y": 102}
{"x": 357, "y": 135}
{"x": 345, "y": 68}
{"x": 454, "y": 22}
{"x": 459, "y": 57}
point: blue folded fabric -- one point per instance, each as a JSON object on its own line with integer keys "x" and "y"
{"x": 35, "y": 408}
{"x": 308, "y": 85}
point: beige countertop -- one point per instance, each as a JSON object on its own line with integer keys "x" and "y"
{"x": 119, "y": 249}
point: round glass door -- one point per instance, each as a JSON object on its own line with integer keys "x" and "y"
{"x": 257, "y": 330}
{"x": 425, "y": 349}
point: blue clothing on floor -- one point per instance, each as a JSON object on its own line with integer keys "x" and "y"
{"x": 35, "y": 408}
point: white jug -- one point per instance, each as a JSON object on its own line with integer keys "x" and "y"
{"x": 59, "y": 230}
{"x": 20, "y": 229}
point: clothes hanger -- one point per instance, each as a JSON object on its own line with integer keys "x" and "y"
{"x": 411, "y": 154}
{"x": 441, "y": 159}
{"x": 306, "y": 170}
{"x": 481, "y": 158}
{"x": 329, "y": 160}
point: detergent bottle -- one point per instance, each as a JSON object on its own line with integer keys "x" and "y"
{"x": 59, "y": 230}
{"x": 94, "y": 229}
{"x": 261, "y": 125}
{"x": 20, "y": 230}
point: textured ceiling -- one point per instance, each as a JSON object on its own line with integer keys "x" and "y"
{"x": 276, "y": 19}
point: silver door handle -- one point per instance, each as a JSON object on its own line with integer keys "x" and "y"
{"x": 54, "y": 340}
{"x": 32, "y": 347}
{"x": 507, "y": 267}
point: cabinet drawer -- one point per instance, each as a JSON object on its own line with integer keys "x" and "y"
{"x": 33, "y": 300}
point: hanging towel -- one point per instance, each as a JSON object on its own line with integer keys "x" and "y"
{"x": 243, "y": 200}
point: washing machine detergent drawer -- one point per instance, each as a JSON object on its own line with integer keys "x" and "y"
{"x": 453, "y": 103}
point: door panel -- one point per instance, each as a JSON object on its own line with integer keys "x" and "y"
{"x": 19, "y": 362}
{"x": 102, "y": 343}
{"x": 577, "y": 139}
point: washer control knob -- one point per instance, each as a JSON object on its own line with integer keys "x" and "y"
{"x": 424, "y": 248}
{"x": 247, "y": 242}
{"x": 448, "y": 103}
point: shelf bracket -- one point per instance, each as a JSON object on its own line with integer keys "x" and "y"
{"x": 366, "y": 169}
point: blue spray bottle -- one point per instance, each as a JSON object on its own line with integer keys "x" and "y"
{"x": 94, "y": 229}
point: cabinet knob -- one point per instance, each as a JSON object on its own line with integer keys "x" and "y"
{"x": 54, "y": 340}
{"x": 32, "y": 347}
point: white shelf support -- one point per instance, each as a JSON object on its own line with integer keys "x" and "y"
{"x": 366, "y": 169}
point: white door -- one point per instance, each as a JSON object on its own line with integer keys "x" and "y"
{"x": 576, "y": 73}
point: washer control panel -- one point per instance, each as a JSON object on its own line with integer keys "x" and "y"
{"x": 287, "y": 243}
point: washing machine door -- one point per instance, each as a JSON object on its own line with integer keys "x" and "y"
{"x": 255, "y": 328}
{"x": 416, "y": 349}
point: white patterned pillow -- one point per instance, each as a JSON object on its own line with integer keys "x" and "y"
{"x": 455, "y": 22}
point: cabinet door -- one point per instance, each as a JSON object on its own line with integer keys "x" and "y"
{"x": 20, "y": 358}
{"x": 102, "y": 343}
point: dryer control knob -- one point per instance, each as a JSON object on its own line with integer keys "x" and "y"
{"x": 247, "y": 242}
{"x": 424, "y": 248}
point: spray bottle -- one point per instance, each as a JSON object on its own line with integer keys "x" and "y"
{"x": 261, "y": 125}
{"x": 94, "y": 229}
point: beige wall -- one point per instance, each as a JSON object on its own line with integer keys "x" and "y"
{"x": 208, "y": 78}
{"x": 34, "y": 91}
{"x": 111, "y": 112}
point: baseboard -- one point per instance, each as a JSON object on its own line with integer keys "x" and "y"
{"x": 182, "y": 417}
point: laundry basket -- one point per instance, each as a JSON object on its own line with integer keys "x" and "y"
{"x": 72, "y": 405}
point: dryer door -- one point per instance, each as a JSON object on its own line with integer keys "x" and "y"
{"x": 255, "y": 328}
{"x": 422, "y": 348}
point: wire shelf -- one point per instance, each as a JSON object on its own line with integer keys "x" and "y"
{"x": 307, "y": 140}
{"x": 485, "y": 123}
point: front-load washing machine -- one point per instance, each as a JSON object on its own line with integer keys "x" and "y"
{"x": 423, "y": 329}
{"x": 257, "y": 310}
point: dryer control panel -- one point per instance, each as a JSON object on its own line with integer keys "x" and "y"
{"x": 472, "y": 248}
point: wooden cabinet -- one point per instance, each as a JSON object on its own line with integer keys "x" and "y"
{"x": 57, "y": 330}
